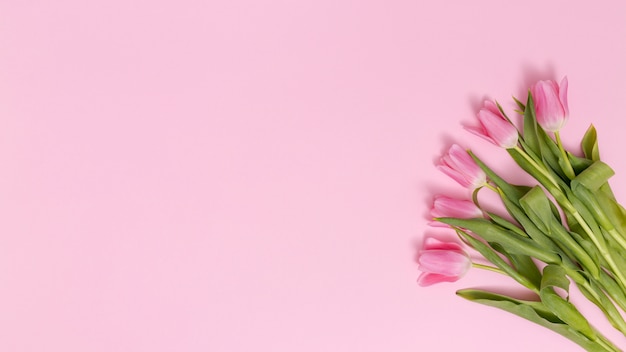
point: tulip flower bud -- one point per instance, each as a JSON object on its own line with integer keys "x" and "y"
{"x": 442, "y": 262}
{"x": 447, "y": 207}
{"x": 550, "y": 104}
{"x": 494, "y": 127}
{"x": 460, "y": 166}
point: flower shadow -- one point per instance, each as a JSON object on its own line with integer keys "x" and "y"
{"x": 530, "y": 75}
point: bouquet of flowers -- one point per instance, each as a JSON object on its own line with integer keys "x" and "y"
{"x": 567, "y": 227}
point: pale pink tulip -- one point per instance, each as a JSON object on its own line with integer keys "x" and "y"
{"x": 441, "y": 262}
{"x": 494, "y": 127}
{"x": 446, "y": 207}
{"x": 460, "y": 166}
{"x": 551, "y": 104}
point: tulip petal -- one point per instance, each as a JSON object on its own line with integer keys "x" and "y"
{"x": 538, "y": 96}
{"x": 455, "y": 208}
{"x": 463, "y": 162}
{"x": 501, "y": 131}
{"x": 491, "y": 106}
{"x": 433, "y": 243}
{"x": 444, "y": 262}
{"x": 550, "y": 111}
{"x": 455, "y": 175}
{"x": 480, "y": 132}
{"x": 563, "y": 95}
{"x": 460, "y": 166}
{"x": 428, "y": 279}
{"x": 434, "y": 223}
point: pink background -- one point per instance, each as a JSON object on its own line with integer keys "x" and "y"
{"x": 255, "y": 175}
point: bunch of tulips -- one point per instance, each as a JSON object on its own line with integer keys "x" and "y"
{"x": 567, "y": 227}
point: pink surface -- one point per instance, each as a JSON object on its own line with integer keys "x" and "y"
{"x": 255, "y": 175}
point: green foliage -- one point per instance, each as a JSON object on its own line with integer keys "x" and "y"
{"x": 587, "y": 248}
{"x": 535, "y": 312}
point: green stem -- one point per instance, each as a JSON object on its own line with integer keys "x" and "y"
{"x": 569, "y": 207}
{"x": 618, "y": 238}
{"x": 491, "y": 187}
{"x": 539, "y": 168}
{"x": 489, "y": 268}
{"x": 605, "y": 343}
{"x": 621, "y": 280}
{"x": 569, "y": 170}
{"x": 607, "y": 307}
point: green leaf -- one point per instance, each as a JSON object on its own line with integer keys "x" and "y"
{"x": 589, "y": 199}
{"x": 512, "y": 242}
{"x": 520, "y": 105}
{"x": 588, "y": 218}
{"x": 613, "y": 210}
{"x": 530, "y": 228}
{"x": 530, "y": 126}
{"x": 589, "y": 144}
{"x": 594, "y": 176}
{"x": 573, "y": 224}
{"x": 503, "y": 113}
{"x": 533, "y": 311}
{"x": 617, "y": 253}
{"x": 597, "y": 296}
{"x": 606, "y": 189}
{"x": 578, "y": 164}
{"x": 507, "y": 224}
{"x": 550, "y": 152}
{"x": 568, "y": 243}
{"x": 479, "y": 295}
{"x": 525, "y": 266}
{"x": 530, "y": 168}
{"x": 613, "y": 289}
{"x": 514, "y": 192}
{"x": 554, "y": 276}
{"x": 490, "y": 254}
{"x": 589, "y": 249}
{"x": 608, "y": 283}
{"x": 537, "y": 206}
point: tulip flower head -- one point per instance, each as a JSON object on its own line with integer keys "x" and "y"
{"x": 447, "y": 207}
{"x": 460, "y": 166}
{"x": 494, "y": 127}
{"x": 442, "y": 262}
{"x": 551, "y": 106}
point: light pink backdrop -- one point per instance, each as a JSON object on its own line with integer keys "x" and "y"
{"x": 254, "y": 175}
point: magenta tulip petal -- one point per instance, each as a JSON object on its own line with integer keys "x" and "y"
{"x": 480, "y": 132}
{"x": 434, "y": 223}
{"x": 491, "y": 106}
{"x": 552, "y": 108}
{"x": 494, "y": 127}
{"x": 454, "y": 208}
{"x": 501, "y": 131}
{"x": 551, "y": 105}
{"x": 460, "y": 166}
{"x": 433, "y": 243}
{"x": 444, "y": 262}
{"x": 563, "y": 95}
{"x": 538, "y": 95}
{"x": 455, "y": 175}
{"x": 428, "y": 279}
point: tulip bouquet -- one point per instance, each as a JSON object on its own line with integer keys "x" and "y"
{"x": 567, "y": 227}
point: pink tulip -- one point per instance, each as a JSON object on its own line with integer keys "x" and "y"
{"x": 494, "y": 127}
{"x": 551, "y": 104}
{"x": 460, "y": 166}
{"x": 441, "y": 262}
{"x": 446, "y": 207}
